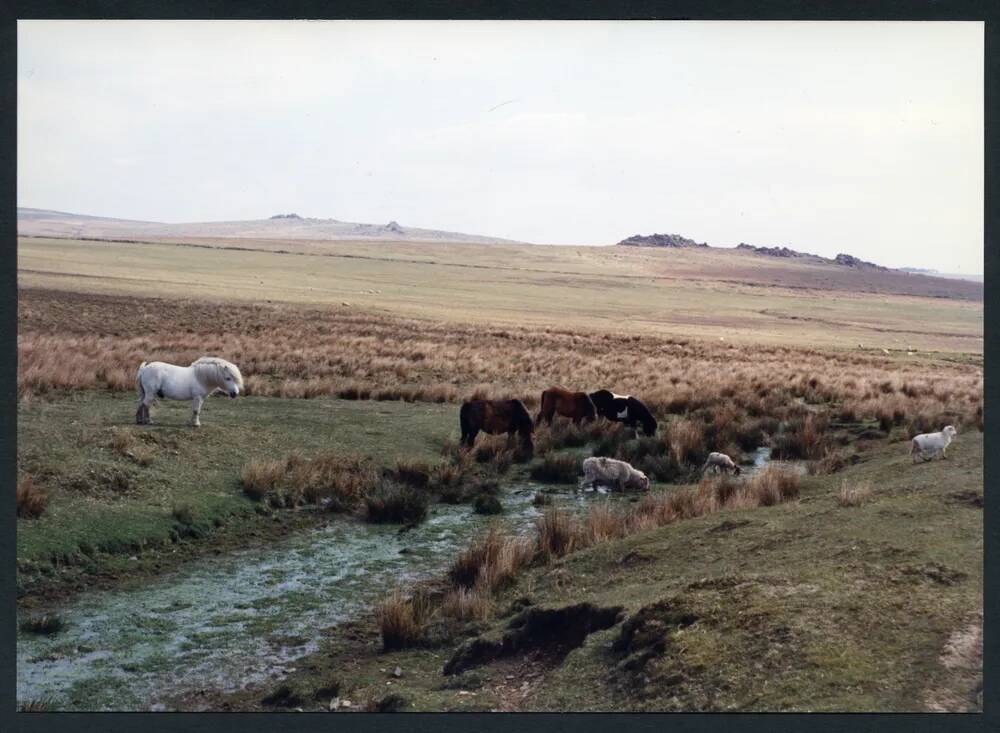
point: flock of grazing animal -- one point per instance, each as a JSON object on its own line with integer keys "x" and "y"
{"x": 209, "y": 374}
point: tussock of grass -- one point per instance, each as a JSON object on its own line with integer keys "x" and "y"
{"x": 832, "y": 461}
{"x": 490, "y": 561}
{"x": 558, "y": 534}
{"x": 46, "y": 624}
{"x": 339, "y": 480}
{"x": 395, "y": 503}
{"x": 31, "y": 499}
{"x": 557, "y": 468}
{"x": 35, "y": 706}
{"x": 855, "y": 495}
{"x": 414, "y": 473}
{"x": 402, "y": 620}
{"x": 184, "y": 514}
{"x": 466, "y": 604}
{"x": 487, "y": 504}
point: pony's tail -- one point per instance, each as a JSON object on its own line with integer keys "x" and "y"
{"x": 138, "y": 382}
{"x": 464, "y": 420}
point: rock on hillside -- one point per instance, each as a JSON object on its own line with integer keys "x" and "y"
{"x": 845, "y": 260}
{"x": 852, "y": 261}
{"x": 660, "y": 240}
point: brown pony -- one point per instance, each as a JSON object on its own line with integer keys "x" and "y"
{"x": 558, "y": 401}
{"x": 494, "y": 417}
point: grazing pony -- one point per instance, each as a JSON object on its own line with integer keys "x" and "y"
{"x": 558, "y": 401}
{"x": 624, "y": 409}
{"x": 159, "y": 380}
{"x": 494, "y": 417}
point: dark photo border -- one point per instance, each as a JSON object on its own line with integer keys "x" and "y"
{"x": 450, "y": 9}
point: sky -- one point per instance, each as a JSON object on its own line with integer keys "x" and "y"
{"x": 826, "y": 137}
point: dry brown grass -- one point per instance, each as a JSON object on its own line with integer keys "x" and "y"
{"x": 31, "y": 500}
{"x": 490, "y": 561}
{"x": 340, "y": 480}
{"x": 854, "y": 495}
{"x": 402, "y": 619}
{"x": 467, "y": 604}
{"x": 558, "y": 534}
{"x": 75, "y": 341}
{"x": 127, "y": 445}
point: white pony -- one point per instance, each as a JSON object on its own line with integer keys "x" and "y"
{"x": 206, "y": 375}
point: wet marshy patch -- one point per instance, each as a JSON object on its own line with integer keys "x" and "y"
{"x": 226, "y": 622}
{"x": 553, "y": 631}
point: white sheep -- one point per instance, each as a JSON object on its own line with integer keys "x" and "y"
{"x": 721, "y": 463}
{"x": 614, "y": 473}
{"x": 932, "y": 443}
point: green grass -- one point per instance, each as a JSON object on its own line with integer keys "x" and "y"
{"x": 191, "y": 484}
{"x": 803, "y": 606}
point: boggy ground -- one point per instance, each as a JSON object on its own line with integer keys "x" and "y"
{"x": 810, "y": 605}
{"x": 125, "y": 501}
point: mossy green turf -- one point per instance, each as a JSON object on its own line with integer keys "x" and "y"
{"x": 806, "y": 606}
{"x": 69, "y": 438}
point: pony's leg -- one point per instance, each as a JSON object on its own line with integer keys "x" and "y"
{"x": 196, "y": 410}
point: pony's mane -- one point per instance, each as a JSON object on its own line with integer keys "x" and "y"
{"x": 214, "y": 368}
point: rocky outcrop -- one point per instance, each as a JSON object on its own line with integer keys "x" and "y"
{"x": 773, "y": 251}
{"x": 660, "y": 240}
{"x": 851, "y": 261}
{"x": 845, "y": 260}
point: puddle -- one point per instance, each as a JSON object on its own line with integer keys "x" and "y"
{"x": 762, "y": 459}
{"x": 226, "y": 623}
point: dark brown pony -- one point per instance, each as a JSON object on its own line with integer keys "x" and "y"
{"x": 494, "y": 417}
{"x": 558, "y": 401}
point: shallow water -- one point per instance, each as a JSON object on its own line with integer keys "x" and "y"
{"x": 225, "y": 623}
{"x": 762, "y": 458}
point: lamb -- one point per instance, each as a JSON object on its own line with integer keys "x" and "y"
{"x": 614, "y": 473}
{"x": 720, "y": 462}
{"x": 932, "y": 443}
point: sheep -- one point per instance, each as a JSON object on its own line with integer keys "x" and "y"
{"x": 614, "y": 473}
{"x": 932, "y": 443}
{"x": 720, "y": 462}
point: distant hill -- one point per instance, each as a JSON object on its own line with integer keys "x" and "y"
{"x": 46, "y": 223}
{"x": 936, "y": 273}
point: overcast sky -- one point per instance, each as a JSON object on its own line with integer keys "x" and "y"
{"x": 864, "y": 138}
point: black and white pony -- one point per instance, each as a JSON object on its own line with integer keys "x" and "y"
{"x": 623, "y": 409}
{"x": 159, "y": 380}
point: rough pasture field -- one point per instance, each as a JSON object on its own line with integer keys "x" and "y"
{"x": 741, "y": 297}
{"x": 74, "y": 341}
{"x": 806, "y": 605}
{"x": 841, "y": 595}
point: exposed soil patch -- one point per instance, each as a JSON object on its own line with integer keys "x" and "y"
{"x": 962, "y": 657}
{"x": 969, "y": 498}
{"x": 933, "y": 572}
{"x": 644, "y": 635}
{"x": 556, "y": 631}
{"x": 729, "y": 525}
